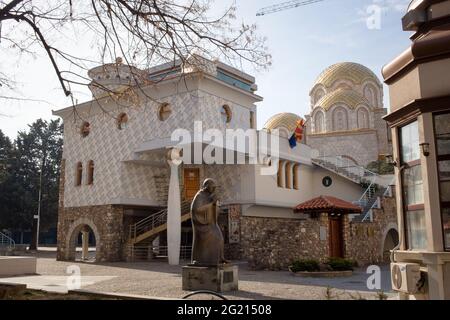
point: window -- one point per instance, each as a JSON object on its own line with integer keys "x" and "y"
{"x": 221, "y": 75}
{"x": 288, "y": 173}
{"x": 371, "y": 94}
{"x": 122, "y": 121}
{"x": 90, "y": 177}
{"x": 340, "y": 119}
{"x": 79, "y": 174}
{"x": 252, "y": 120}
{"x": 85, "y": 129}
{"x": 225, "y": 112}
{"x": 363, "y": 118}
{"x": 412, "y": 185}
{"x": 319, "y": 123}
{"x": 280, "y": 174}
{"x": 318, "y": 95}
{"x": 295, "y": 176}
{"x": 442, "y": 132}
{"x": 164, "y": 111}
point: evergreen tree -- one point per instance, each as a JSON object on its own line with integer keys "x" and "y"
{"x": 34, "y": 150}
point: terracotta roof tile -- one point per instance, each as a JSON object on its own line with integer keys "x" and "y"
{"x": 327, "y": 204}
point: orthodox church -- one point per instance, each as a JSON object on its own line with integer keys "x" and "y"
{"x": 126, "y": 188}
{"x": 347, "y": 112}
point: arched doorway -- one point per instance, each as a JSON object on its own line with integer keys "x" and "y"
{"x": 83, "y": 241}
{"x": 390, "y": 242}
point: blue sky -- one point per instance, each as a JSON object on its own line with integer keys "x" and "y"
{"x": 303, "y": 41}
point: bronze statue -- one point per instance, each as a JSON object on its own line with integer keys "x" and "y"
{"x": 207, "y": 246}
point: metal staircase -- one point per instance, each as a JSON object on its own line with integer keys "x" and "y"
{"x": 144, "y": 232}
{"x": 375, "y": 186}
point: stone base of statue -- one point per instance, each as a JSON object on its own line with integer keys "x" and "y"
{"x": 220, "y": 278}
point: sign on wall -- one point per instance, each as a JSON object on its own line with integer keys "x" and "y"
{"x": 233, "y": 223}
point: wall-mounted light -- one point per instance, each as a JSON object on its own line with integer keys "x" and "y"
{"x": 425, "y": 148}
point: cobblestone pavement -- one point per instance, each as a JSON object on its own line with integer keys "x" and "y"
{"x": 162, "y": 280}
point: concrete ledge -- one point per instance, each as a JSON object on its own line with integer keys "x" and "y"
{"x": 17, "y": 266}
{"x": 113, "y": 295}
{"x": 322, "y": 274}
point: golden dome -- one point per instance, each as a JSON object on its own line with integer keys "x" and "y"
{"x": 355, "y": 72}
{"x": 285, "y": 120}
{"x": 350, "y": 98}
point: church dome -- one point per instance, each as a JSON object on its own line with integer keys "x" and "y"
{"x": 351, "y": 71}
{"x": 350, "y": 98}
{"x": 283, "y": 120}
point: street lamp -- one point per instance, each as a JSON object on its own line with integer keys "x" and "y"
{"x": 34, "y": 244}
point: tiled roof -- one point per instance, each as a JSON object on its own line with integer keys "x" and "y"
{"x": 286, "y": 120}
{"x": 327, "y": 204}
{"x": 354, "y": 72}
{"x": 350, "y": 98}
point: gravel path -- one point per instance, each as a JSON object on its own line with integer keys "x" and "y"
{"x": 162, "y": 280}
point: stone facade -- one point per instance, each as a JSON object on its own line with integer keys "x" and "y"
{"x": 359, "y": 146}
{"x": 274, "y": 243}
{"x": 365, "y": 241}
{"x": 106, "y": 223}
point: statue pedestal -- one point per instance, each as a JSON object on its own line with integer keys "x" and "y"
{"x": 219, "y": 278}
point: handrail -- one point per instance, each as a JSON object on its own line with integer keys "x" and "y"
{"x": 6, "y": 240}
{"x": 369, "y": 212}
{"x": 154, "y": 220}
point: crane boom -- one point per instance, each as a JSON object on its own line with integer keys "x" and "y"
{"x": 285, "y": 6}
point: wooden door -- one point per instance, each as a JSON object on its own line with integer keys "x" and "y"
{"x": 191, "y": 182}
{"x": 336, "y": 237}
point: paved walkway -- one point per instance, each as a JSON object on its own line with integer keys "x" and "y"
{"x": 159, "y": 279}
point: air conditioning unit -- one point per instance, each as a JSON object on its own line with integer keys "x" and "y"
{"x": 405, "y": 277}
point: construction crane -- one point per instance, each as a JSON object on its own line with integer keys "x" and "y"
{"x": 285, "y": 6}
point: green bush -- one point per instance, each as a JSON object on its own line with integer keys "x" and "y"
{"x": 305, "y": 265}
{"x": 341, "y": 264}
{"x": 380, "y": 167}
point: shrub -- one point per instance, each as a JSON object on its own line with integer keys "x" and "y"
{"x": 305, "y": 265}
{"x": 341, "y": 264}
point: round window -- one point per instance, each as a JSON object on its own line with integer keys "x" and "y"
{"x": 164, "y": 112}
{"x": 327, "y": 181}
{"x": 85, "y": 129}
{"x": 225, "y": 112}
{"x": 122, "y": 120}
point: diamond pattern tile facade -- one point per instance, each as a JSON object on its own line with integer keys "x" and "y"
{"x": 110, "y": 147}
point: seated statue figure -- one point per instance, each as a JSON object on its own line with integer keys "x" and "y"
{"x": 207, "y": 246}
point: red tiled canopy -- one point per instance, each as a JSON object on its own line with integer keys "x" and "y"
{"x": 327, "y": 204}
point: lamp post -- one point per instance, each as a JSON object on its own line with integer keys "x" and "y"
{"x": 37, "y": 218}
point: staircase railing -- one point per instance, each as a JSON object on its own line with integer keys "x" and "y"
{"x": 6, "y": 241}
{"x": 344, "y": 166}
{"x": 154, "y": 220}
{"x": 383, "y": 194}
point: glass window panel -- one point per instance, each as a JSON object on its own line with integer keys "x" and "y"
{"x": 444, "y": 178}
{"x": 446, "y": 225}
{"x": 416, "y": 230}
{"x": 442, "y": 123}
{"x": 412, "y": 185}
{"x": 442, "y": 128}
{"x": 410, "y": 149}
